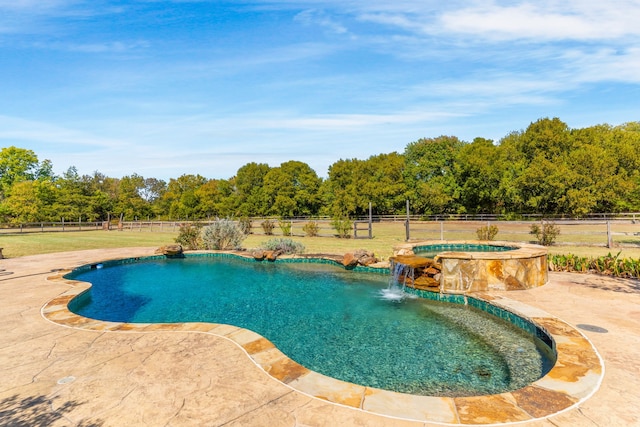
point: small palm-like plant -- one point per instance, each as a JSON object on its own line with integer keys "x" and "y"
{"x": 267, "y": 226}
{"x": 488, "y": 232}
{"x": 545, "y": 233}
{"x": 311, "y": 229}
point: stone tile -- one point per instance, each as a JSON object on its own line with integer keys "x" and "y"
{"x": 497, "y": 408}
{"x": 539, "y": 402}
{"x": 437, "y": 409}
{"x": 330, "y": 389}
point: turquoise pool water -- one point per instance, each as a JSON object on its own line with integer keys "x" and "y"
{"x": 429, "y": 251}
{"x": 332, "y": 321}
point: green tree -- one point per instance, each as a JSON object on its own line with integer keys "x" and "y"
{"x": 380, "y": 181}
{"x": 249, "y": 190}
{"x": 548, "y": 138}
{"x": 181, "y": 200}
{"x": 23, "y": 203}
{"x": 292, "y": 189}
{"x": 130, "y": 202}
{"x": 340, "y": 191}
{"x": 478, "y": 171}
{"x": 211, "y": 195}
{"x": 17, "y": 165}
{"x": 73, "y": 197}
{"x": 430, "y": 174}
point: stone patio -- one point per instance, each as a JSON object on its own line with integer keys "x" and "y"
{"x": 64, "y": 376}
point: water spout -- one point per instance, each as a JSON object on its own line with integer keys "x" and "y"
{"x": 400, "y": 274}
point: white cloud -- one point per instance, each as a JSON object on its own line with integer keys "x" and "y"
{"x": 604, "y": 64}
{"x": 30, "y": 131}
{"x": 578, "y": 20}
{"x": 584, "y": 20}
{"x": 321, "y": 18}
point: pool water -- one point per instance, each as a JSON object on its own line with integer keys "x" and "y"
{"x": 331, "y": 321}
{"x": 430, "y": 251}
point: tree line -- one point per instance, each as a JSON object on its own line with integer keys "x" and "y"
{"x": 547, "y": 169}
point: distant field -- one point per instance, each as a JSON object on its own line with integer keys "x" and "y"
{"x": 385, "y": 236}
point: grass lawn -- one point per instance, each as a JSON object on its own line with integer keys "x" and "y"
{"x": 386, "y": 235}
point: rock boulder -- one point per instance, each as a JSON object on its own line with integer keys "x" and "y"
{"x": 170, "y": 250}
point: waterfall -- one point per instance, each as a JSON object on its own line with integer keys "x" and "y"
{"x": 400, "y": 273}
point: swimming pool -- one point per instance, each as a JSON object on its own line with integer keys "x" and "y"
{"x": 332, "y": 321}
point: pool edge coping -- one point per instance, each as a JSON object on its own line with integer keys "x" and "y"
{"x": 575, "y": 377}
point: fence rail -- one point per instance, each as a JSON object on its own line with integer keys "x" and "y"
{"x": 622, "y": 232}
{"x": 609, "y": 233}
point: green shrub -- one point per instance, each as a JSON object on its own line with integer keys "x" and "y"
{"x": 311, "y": 229}
{"x": 545, "y": 233}
{"x": 245, "y": 225}
{"x": 343, "y": 227}
{"x": 189, "y": 236}
{"x": 285, "y": 227}
{"x": 222, "y": 234}
{"x": 487, "y": 232}
{"x": 285, "y": 246}
{"x": 267, "y": 226}
{"x": 610, "y": 265}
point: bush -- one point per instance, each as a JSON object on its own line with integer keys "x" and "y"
{"x": 545, "y": 233}
{"x": 343, "y": 226}
{"x": 245, "y": 225}
{"x": 488, "y": 232}
{"x": 611, "y": 265}
{"x": 311, "y": 229}
{"x": 222, "y": 234}
{"x": 285, "y": 246}
{"x": 267, "y": 226}
{"x": 189, "y": 236}
{"x": 285, "y": 227}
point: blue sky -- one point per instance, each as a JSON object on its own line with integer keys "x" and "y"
{"x": 163, "y": 88}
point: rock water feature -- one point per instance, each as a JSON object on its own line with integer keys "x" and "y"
{"x": 473, "y": 266}
{"x": 414, "y": 272}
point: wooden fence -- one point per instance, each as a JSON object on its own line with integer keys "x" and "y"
{"x": 623, "y": 232}
{"x": 607, "y": 233}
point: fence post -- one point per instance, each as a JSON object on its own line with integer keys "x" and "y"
{"x": 609, "y": 236}
{"x": 406, "y": 224}
{"x": 370, "y": 222}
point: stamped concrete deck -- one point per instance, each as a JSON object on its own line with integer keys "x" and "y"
{"x": 56, "y": 375}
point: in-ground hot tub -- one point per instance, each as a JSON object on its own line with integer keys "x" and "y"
{"x": 475, "y": 266}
